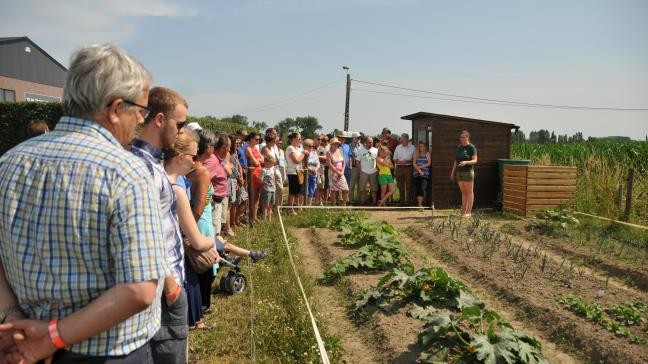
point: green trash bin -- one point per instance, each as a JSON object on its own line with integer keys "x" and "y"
{"x": 501, "y": 163}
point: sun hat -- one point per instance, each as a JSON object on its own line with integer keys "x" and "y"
{"x": 334, "y": 140}
{"x": 194, "y": 126}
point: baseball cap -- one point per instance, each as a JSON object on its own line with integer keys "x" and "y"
{"x": 194, "y": 126}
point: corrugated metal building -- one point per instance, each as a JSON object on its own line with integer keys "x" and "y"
{"x": 441, "y": 133}
{"x": 28, "y": 73}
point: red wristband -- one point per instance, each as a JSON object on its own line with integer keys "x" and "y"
{"x": 174, "y": 295}
{"x": 54, "y": 334}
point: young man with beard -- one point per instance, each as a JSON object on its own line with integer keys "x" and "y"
{"x": 168, "y": 114}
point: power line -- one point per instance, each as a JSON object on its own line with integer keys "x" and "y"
{"x": 292, "y": 97}
{"x": 443, "y": 98}
{"x": 498, "y": 101}
{"x": 295, "y": 102}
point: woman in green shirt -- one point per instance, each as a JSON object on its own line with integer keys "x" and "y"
{"x": 463, "y": 171}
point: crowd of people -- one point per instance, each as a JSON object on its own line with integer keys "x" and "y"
{"x": 99, "y": 216}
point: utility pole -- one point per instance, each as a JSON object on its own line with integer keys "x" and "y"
{"x": 348, "y": 95}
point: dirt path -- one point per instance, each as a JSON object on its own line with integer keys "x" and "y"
{"x": 531, "y": 300}
{"x": 391, "y": 338}
{"x": 330, "y": 304}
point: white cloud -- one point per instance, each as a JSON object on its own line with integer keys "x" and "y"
{"x": 61, "y": 26}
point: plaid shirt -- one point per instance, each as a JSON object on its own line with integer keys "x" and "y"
{"x": 152, "y": 156}
{"x": 78, "y": 215}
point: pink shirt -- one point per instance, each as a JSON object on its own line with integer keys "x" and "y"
{"x": 216, "y": 168}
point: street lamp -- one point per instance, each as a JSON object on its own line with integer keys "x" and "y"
{"x": 348, "y": 95}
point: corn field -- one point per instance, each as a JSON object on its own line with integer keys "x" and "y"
{"x": 602, "y": 173}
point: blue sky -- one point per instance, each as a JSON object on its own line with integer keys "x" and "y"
{"x": 233, "y": 56}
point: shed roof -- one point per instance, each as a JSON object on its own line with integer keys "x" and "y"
{"x": 6, "y": 40}
{"x": 421, "y": 114}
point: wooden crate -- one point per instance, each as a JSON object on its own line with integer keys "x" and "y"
{"x": 528, "y": 189}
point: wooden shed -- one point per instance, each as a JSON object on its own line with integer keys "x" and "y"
{"x": 441, "y": 132}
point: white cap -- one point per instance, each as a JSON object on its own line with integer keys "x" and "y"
{"x": 194, "y": 126}
{"x": 355, "y": 134}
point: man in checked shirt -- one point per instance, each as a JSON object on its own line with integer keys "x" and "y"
{"x": 82, "y": 250}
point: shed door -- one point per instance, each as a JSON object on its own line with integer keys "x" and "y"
{"x": 424, "y": 133}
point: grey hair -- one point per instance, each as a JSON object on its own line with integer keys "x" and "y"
{"x": 99, "y": 74}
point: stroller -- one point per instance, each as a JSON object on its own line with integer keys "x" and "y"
{"x": 232, "y": 282}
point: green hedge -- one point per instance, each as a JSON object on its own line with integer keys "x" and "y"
{"x": 14, "y": 117}
{"x": 214, "y": 124}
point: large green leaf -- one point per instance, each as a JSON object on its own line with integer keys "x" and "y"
{"x": 465, "y": 300}
{"x": 485, "y": 351}
{"x": 422, "y": 313}
{"x": 438, "y": 355}
{"x": 437, "y": 326}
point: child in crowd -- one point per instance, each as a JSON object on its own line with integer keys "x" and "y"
{"x": 385, "y": 178}
{"x": 268, "y": 194}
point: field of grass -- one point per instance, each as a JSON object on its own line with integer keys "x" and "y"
{"x": 274, "y": 326}
{"x": 602, "y": 173}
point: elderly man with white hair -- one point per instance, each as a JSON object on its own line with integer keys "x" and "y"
{"x": 403, "y": 162}
{"x": 81, "y": 242}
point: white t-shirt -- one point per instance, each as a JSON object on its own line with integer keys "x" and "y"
{"x": 367, "y": 159}
{"x": 291, "y": 166}
{"x": 404, "y": 153}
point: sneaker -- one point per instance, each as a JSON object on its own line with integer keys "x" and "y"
{"x": 257, "y": 255}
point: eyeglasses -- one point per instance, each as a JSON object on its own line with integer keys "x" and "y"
{"x": 180, "y": 124}
{"x": 148, "y": 109}
{"x": 191, "y": 155}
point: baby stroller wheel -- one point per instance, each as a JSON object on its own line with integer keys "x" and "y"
{"x": 234, "y": 282}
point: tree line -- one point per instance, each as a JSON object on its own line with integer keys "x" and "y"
{"x": 543, "y": 136}
{"x": 308, "y": 125}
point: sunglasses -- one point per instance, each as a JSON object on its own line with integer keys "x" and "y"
{"x": 144, "y": 115}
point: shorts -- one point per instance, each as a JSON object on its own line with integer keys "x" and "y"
{"x": 233, "y": 187}
{"x": 385, "y": 179}
{"x": 466, "y": 176}
{"x": 241, "y": 195}
{"x": 267, "y": 198}
{"x": 371, "y": 178}
{"x": 294, "y": 187}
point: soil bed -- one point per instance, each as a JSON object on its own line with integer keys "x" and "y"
{"x": 533, "y": 297}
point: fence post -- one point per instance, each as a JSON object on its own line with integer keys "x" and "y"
{"x": 628, "y": 202}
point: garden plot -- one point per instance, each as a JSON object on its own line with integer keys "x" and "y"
{"x": 573, "y": 306}
{"x": 416, "y": 310}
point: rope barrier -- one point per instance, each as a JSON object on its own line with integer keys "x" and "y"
{"x": 318, "y": 337}
{"x": 614, "y": 221}
{"x": 359, "y": 207}
{"x": 252, "y": 309}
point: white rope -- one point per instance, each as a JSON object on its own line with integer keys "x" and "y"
{"x": 614, "y": 221}
{"x": 358, "y": 207}
{"x": 318, "y": 337}
{"x": 252, "y": 316}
